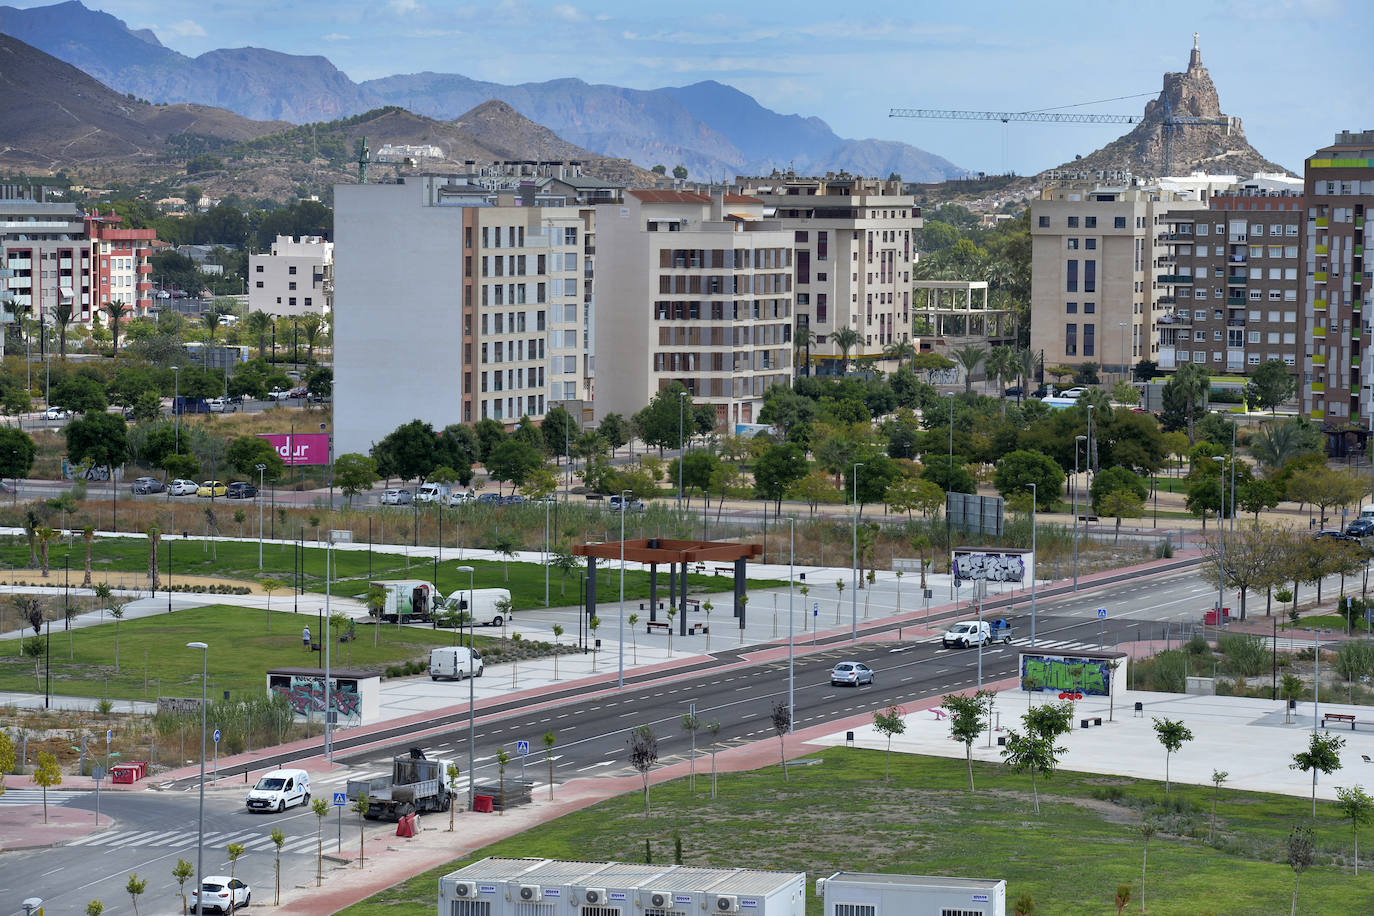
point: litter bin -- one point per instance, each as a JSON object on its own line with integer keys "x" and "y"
{"x": 483, "y": 804}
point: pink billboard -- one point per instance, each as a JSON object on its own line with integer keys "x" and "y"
{"x": 300, "y": 448}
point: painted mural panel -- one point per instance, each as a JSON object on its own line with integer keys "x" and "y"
{"x": 305, "y": 693}
{"x": 1074, "y": 674}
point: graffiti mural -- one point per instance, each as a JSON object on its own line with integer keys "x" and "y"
{"x": 1055, "y": 673}
{"x": 989, "y": 567}
{"x": 306, "y": 696}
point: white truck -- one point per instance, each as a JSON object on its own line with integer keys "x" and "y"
{"x": 407, "y": 600}
{"x": 417, "y": 783}
{"x": 968, "y": 633}
{"x": 434, "y": 493}
{"x": 488, "y": 605}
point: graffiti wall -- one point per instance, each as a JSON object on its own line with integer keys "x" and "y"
{"x": 349, "y": 697}
{"x": 989, "y": 566}
{"x": 1091, "y": 676}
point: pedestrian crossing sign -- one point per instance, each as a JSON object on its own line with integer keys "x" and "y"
{"x": 522, "y": 748}
{"x": 340, "y": 799}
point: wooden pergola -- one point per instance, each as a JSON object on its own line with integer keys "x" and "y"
{"x": 677, "y": 555}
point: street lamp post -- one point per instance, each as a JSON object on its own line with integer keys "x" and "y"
{"x": 1221, "y": 538}
{"x": 1076, "y": 440}
{"x": 681, "y": 451}
{"x": 1035, "y": 496}
{"x": 791, "y": 668}
{"x": 262, "y": 468}
{"x": 329, "y": 714}
{"x": 546, "y": 552}
{"x": 176, "y": 416}
{"x": 949, "y": 477}
{"x": 472, "y": 701}
{"x": 620, "y": 681}
{"x": 200, "y": 829}
{"x": 854, "y": 624}
{"x": 1125, "y": 361}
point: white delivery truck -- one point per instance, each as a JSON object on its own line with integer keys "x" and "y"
{"x": 454, "y": 662}
{"x": 434, "y": 493}
{"x": 488, "y": 605}
{"x": 407, "y": 600}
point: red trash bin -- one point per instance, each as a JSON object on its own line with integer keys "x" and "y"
{"x": 483, "y": 804}
{"x": 406, "y": 825}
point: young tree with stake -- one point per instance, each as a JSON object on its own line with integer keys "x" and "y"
{"x": 278, "y": 841}
{"x": 319, "y": 807}
{"x": 1172, "y": 735}
{"x": 781, "y": 718}
{"x": 889, "y": 722}
{"x": 549, "y": 740}
{"x": 182, "y": 871}
{"x": 966, "y": 721}
{"x": 1323, "y": 755}
{"x": 643, "y": 755}
{"x": 360, "y": 807}
{"x": 1357, "y": 807}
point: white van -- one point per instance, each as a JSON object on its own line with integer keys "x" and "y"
{"x": 484, "y": 611}
{"x": 1367, "y": 511}
{"x": 433, "y": 493}
{"x": 454, "y": 662}
{"x": 278, "y": 790}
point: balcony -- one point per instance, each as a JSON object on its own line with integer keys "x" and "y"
{"x": 1237, "y": 258}
{"x": 1319, "y": 333}
{"x": 1239, "y": 237}
{"x": 1319, "y": 276}
{"x": 1357, "y": 278}
{"x": 1165, "y": 300}
{"x": 1319, "y": 359}
{"x": 1319, "y": 305}
{"x": 1235, "y": 280}
{"x": 19, "y": 264}
{"x": 1178, "y": 279}
{"x": 1319, "y": 387}
{"x": 1236, "y": 300}
{"x": 1321, "y": 249}
{"x": 1235, "y": 322}
{"x": 1323, "y": 222}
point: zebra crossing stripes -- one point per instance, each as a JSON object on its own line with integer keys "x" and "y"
{"x": 35, "y": 797}
{"x": 1025, "y": 644}
{"x": 252, "y": 840}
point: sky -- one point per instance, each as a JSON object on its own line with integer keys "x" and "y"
{"x": 1295, "y": 71}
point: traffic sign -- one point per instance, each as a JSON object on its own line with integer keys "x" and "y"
{"x": 109, "y": 734}
{"x": 1102, "y": 613}
{"x": 97, "y": 773}
{"x": 522, "y": 748}
{"x": 340, "y": 799}
{"x": 217, "y": 736}
{"x": 815, "y": 609}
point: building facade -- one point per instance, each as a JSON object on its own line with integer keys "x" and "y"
{"x": 122, "y": 265}
{"x": 693, "y": 289}
{"x": 46, "y": 253}
{"x": 854, "y": 244}
{"x": 1095, "y": 253}
{"x": 1338, "y": 191}
{"x": 1233, "y": 272}
{"x": 295, "y": 278}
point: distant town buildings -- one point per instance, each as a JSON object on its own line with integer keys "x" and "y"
{"x": 296, "y": 277}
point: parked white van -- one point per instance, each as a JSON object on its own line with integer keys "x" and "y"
{"x": 454, "y": 662}
{"x": 485, "y": 611}
{"x": 278, "y": 790}
{"x": 1367, "y": 511}
{"x": 433, "y": 493}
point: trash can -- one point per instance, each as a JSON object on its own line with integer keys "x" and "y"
{"x": 483, "y": 804}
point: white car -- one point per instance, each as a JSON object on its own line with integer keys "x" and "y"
{"x": 278, "y": 790}
{"x": 396, "y": 498}
{"x": 180, "y": 487}
{"x": 279, "y": 394}
{"x": 58, "y": 413}
{"x": 457, "y": 498}
{"x": 222, "y": 405}
{"x": 1073, "y": 393}
{"x": 222, "y": 893}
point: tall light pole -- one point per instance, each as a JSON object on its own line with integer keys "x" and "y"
{"x": 949, "y": 477}
{"x": 1089, "y": 457}
{"x": 791, "y": 669}
{"x": 854, "y": 624}
{"x": 620, "y": 680}
{"x": 1035, "y": 496}
{"x": 329, "y": 714}
{"x": 1076, "y": 440}
{"x": 200, "y": 829}
{"x": 1221, "y": 539}
{"x": 262, "y": 468}
{"x": 681, "y": 451}
{"x": 1125, "y": 360}
{"x": 472, "y": 700}
{"x": 176, "y": 416}
{"x": 546, "y": 550}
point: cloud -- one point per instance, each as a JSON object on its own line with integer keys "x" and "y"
{"x": 569, "y": 13}
{"x": 403, "y": 7}
{"x": 603, "y": 17}
{"x": 186, "y": 28}
{"x": 335, "y": 36}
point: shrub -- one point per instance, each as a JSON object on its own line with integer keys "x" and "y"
{"x": 1169, "y": 672}
{"x": 1198, "y": 645}
{"x": 1245, "y": 655}
{"x": 1355, "y": 659}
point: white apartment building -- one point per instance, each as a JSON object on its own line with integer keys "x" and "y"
{"x": 295, "y": 278}
{"x": 450, "y": 308}
{"x": 696, "y": 290}
{"x": 855, "y": 249}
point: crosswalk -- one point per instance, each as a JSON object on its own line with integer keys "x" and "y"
{"x": 13, "y": 797}
{"x": 252, "y": 840}
{"x": 1025, "y": 643}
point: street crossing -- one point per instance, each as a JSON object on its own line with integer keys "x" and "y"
{"x": 1025, "y": 643}
{"x": 252, "y": 840}
{"x": 13, "y": 797}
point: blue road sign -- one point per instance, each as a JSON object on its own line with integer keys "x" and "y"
{"x": 217, "y": 736}
{"x": 340, "y": 799}
{"x": 815, "y": 609}
{"x": 1102, "y": 612}
{"x": 522, "y": 748}
{"x": 109, "y": 734}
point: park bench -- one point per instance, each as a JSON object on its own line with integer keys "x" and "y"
{"x": 723, "y": 570}
{"x": 695, "y": 628}
{"x": 1341, "y": 717}
{"x": 652, "y": 625}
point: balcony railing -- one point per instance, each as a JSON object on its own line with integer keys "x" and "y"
{"x": 1235, "y": 280}
{"x": 1236, "y": 300}
{"x": 1178, "y": 279}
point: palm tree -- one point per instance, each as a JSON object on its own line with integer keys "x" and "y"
{"x": 1193, "y": 382}
{"x": 62, "y": 316}
{"x": 970, "y": 356}
{"x": 1001, "y": 365}
{"x": 117, "y": 311}
{"x": 802, "y": 340}
{"x": 311, "y": 325}
{"x": 213, "y": 318}
{"x": 1026, "y": 363}
{"x": 845, "y": 339}
{"x": 259, "y": 323}
{"x": 1276, "y": 444}
{"x": 899, "y": 350}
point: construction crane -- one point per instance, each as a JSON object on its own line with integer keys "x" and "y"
{"x": 1169, "y": 124}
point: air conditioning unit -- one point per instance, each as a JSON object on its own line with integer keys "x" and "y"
{"x": 591, "y": 896}
{"x": 660, "y": 899}
{"x": 725, "y": 903}
{"x": 464, "y": 891}
{"x": 529, "y": 893}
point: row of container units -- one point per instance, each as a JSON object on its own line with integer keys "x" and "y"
{"x": 544, "y": 887}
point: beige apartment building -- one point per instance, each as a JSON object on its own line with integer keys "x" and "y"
{"x": 854, "y": 243}
{"x": 1232, "y": 275}
{"x": 296, "y": 277}
{"x": 1095, "y": 251}
{"x": 693, "y": 289}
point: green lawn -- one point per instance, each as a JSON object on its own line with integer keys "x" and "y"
{"x": 154, "y": 660}
{"x": 238, "y": 560}
{"x": 1334, "y": 622}
{"x": 841, "y": 815}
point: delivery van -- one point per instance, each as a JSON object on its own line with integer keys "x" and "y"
{"x": 488, "y": 604}
{"x": 454, "y": 662}
{"x": 278, "y": 790}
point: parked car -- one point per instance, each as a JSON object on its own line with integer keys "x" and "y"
{"x": 490, "y": 499}
{"x": 852, "y": 673}
{"x": 278, "y": 790}
{"x": 433, "y": 493}
{"x": 180, "y": 487}
{"x": 211, "y": 489}
{"x": 145, "y": 485}
{"x": 396, "y": 498}
{"x": 240, "y": 490}
{"x": 460, "y": 497}
{"x": 222, "y": 893}
{"x": 299, "y": 392}
{"x": 514, "y": 499}
{"x": 58, "y": 413}
{"x": 618, "y": 503}
{"x": 1361, "y": 528}
{"x": 1015, "y": 391}
{"x": 1334, "y": 535}
{"x": 7, "y": 487}
{"x": 279, "y": 394}
{"x": 1040, "y": 392}
{"x": 222, "y": 405}
{"x": 1073, "y": 393}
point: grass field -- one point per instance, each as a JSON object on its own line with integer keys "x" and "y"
{"x": 841, "y": 815}
{"x": 239, "y": 560}
{"x": 154, "y": 660}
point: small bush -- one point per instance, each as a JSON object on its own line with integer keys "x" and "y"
{"x": 1164, "y": 549}
{"x": 1245, "y": 655}
{"x": 1198, "y": 645}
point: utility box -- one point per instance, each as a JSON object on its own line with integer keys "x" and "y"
{"x": 546, "y": 887}
{"x": 911, "y": 895}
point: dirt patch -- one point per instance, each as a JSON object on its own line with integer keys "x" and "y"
{"x": 126, "y": 580}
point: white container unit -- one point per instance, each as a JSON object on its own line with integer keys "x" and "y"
{"x": 849, "y": 893}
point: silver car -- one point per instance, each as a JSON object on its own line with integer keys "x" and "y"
{"x": 396, "y": 498}
{"x": 851, "y": 673}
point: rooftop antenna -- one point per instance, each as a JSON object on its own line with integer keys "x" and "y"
{"x": 362, "y": 161}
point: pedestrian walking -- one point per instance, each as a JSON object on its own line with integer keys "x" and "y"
{"x": 305, "y": 638}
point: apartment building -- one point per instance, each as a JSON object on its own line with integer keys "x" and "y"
{"x": 47, "y": 256}
{"x": 295, "y": 277}
{"x": 1233, "y": 272}
{"x": 693, "y": 289}
{"x": 1094, "y": 251}
{"x": 854, "y": 244}
{"x": 1338, "y": 189}
{"x": 454, "y": 303}
{"x": 121, "y": 264}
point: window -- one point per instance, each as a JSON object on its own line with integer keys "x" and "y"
{"x": 1119, "y": 222}
{"x": 1071, "y": 308}
{"x": 821, "y": 308}
{"x": 1044, "y": 224}
{"x": 861, "y": 909}
{"x": 946, "y": 911}
{"x": 1199, "y": 356}
{"x": 1201, "y": 229}
{"x": 1089, "y": 332}
{"x": 1072, "y": 244}
{"x": 1090, "y": 276}
{"x": 1071, "y": 284}
{"x": 1070, "y": 340}
{"x": 291, "y": 271}
{"x": 259, "y": 268}
{"x": 1090, "y": 244}
{"x": 1089, "y": 308}
{"x": 1090, "y": 222}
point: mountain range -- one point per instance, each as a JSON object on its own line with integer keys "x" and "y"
{"x": 713, "y": 129}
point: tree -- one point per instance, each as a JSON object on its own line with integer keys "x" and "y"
{"x": 713, "y": 729}
{"x": 643, "y": 755}
{"x": 950, "y": 477}
{"x": 1270, "y": 385}
{"x": 1113, "y": 479}
{"x": 409, "y": 451}
{"x": 1031, "y": 753}
{"x": 969, "y": 357}
{"x": 659, "y": 169}
{"x": 1279, "y": 442}
{"x": 776, "y": 470}
{"x": 116, "y": 310}
{"x": 354, "y": 474}
{"x": 614, "y": 430}
{"x": 539, "y": 484}
{"x": 931, "y": 363}
{"x": 47, "y": 775}
{"x": 966, "y": 721}
{"x": 136, "y": 886}
{"x": 100, "y": 438}
{"x": 1019, "y": 469}
{"x": 1182, "y": 398}
{"x": 697, "y": 468}
{"x": 1000, "y": 363}
{"x": 1218, "y": 777}
{"x": 1172, "y": 735}
{"x": 513, "y": 461}
{"x": 80, "y": 393}
{"x": 889, "y": 722}
{"x": 1121, "y": 504}
{"x": 233, "y": 852}
{"x": 815, "y": 488}
{"x": 680, "y": 172}
{"x": 1122, "y": 897}
{"x": 245, "y": 453}
{"x": 781, "y": 719}
{"x": 1255, "y": 495}
{"x": 311, "y": 326}
{"x": 184, "y": 870}
{"x": 550, "y": 739}
{"x": 360, "y": 805}
{"x": 319, "y": 807}
{"x": 1147, "y": 829}
{"x": 17, "y": 452}
{"x": 1323, "y": 755}
{"x": 845, "y": 340}
{"x": 6, "y": 758}
{"x": 259, "y": 323}
{"x": 1301, "y": 853}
